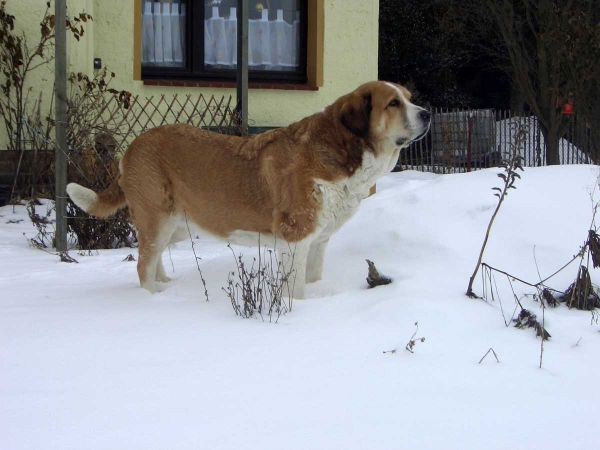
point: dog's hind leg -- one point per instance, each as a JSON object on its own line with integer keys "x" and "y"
{"x": 161, "y": 275}
{"x": 153, "y": 240}
{"x": 178, "y": 235}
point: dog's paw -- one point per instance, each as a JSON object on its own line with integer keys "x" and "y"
{"x": 312, "y": 278}
{"x": 150, "y": 287}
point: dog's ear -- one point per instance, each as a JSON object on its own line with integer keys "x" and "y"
{"x": 355, "y": 114}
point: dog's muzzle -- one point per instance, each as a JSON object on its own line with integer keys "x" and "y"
{"x": 425, "y": 118}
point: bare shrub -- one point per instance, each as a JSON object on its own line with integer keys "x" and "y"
{"x": 94, "y": 133}
{"x": 92, "y": 233}
{"x": 264, "y": 288}
{"x": 20, "y": 55}
{"x": 93, "y": 158}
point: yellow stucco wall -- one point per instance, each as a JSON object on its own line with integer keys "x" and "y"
{"x": 28, "y": 15}
{"x": 350, "y": 55}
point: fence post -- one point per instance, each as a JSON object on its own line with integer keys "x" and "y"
{"x": 61, "y": 125}
{"x": 242, "y": 65}
{"x": 469, "y": 140}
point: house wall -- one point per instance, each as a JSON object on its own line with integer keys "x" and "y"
{"x": 40, "y": 82}
{"x": 349, "y": 57}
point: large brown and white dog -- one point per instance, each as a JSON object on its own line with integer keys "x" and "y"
{"x": 297, "y": 184}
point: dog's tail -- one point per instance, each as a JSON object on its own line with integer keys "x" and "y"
{"x": 100, "y": 205}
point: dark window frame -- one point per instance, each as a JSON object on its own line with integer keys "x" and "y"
{"x": 194, "y": 68}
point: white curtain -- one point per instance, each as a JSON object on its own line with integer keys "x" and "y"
{"x": 147, "y": 35}
{"x": 163, "y": 34}
{"x": 220, "y": 43}
{"x": 176, "y": 34}
{"x": 273, "y": 44}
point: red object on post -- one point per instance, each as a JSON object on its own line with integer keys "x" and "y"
{"x": 568, "y": 109}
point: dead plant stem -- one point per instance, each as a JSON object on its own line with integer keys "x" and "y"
{"x": 487, "y": 236}
{"x": 196, "y": 256}
{"x": 543, "y": 332}
{"x": 487, "y": 353}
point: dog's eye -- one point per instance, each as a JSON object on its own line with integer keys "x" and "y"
{"x": 394, "y": 103}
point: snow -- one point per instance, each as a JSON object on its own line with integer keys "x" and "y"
{"x": 88, "y": 360}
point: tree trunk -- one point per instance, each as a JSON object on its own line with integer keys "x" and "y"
{"x": 552, "y": 147}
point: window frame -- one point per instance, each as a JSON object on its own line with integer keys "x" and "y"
{"x": 195, "y": 69}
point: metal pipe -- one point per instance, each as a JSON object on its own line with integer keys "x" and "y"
{"x": 242, "y": 65}
{"x": 61, "y": 124}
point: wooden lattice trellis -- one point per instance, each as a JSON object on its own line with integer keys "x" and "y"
{"x": 125, "y": 118}
{"x": 101, "y": 127}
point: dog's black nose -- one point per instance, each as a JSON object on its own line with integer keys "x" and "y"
{"x": 425, "y": 115}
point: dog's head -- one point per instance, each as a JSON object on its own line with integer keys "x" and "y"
{"x": 382, "y": 113}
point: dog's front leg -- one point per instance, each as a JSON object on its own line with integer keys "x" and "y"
{"x": 294, "y": 263}
{"x": 314, "y": 263}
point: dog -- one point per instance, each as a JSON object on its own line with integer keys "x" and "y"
{"x": 295, "y": 185}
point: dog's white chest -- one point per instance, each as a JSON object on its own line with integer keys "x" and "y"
{"x": 340, "y": 203}
{"x": 341, "y": 199}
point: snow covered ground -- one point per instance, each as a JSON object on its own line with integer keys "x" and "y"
{"x": 88, "y": 360}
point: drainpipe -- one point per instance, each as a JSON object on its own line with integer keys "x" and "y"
{"x": 88, "y": 8}
{"x": 242, "y": 65}
{"x": 60, "y": 83}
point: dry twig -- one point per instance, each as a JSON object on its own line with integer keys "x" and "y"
{"x": 486, "y": 353}
{"x": 196, "y": 257}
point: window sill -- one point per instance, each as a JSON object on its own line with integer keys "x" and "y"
{"x": 230, "y": 85}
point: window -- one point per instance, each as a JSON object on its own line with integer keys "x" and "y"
{"x": 197, "y": 39}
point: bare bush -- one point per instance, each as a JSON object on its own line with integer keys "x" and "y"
{"x": 20, "y": 55}
{"x": 93, "y": 158}
{"x": 263, "y": 289}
